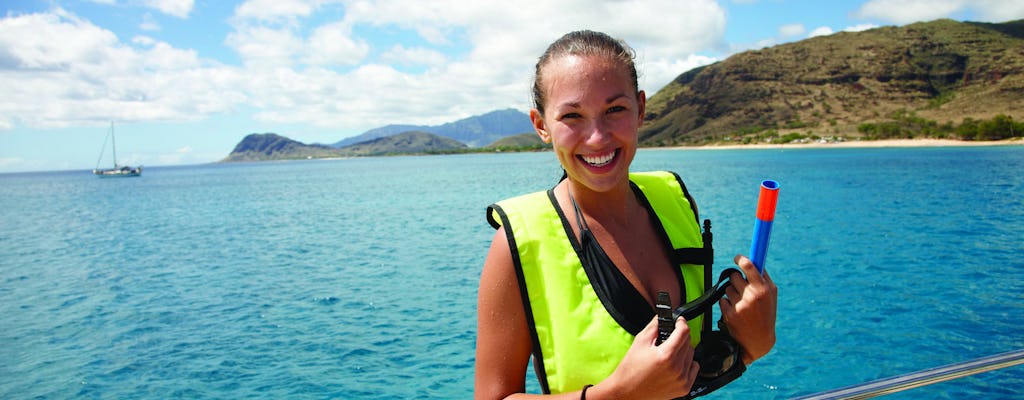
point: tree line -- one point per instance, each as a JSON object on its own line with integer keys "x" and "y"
{"x": 907, "y": 125}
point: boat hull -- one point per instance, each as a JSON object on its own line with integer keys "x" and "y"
{"x": 123, "y": 172}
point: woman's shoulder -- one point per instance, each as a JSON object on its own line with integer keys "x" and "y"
{"x": 524, "y": 206}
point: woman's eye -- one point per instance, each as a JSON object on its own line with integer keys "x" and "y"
{"x": 570, "y": 116}
{"x": 615, "y": 109}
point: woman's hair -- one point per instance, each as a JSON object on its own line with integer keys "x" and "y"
{"x": 583, "y": 43}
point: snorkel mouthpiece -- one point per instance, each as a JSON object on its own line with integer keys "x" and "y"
{"x": 763, "y": 223}
{"x": 666, "y": 321}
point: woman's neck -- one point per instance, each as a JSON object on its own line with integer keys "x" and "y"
{"x": 613, "y": 206}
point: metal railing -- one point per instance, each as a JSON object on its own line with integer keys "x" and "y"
{"x": 921, "y": 378}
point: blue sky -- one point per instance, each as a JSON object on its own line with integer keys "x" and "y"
{"x": 186, "y": 80}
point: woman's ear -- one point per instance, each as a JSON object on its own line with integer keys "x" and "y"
{"x": 537, "y": 119}
{"x": 642, "y": 102}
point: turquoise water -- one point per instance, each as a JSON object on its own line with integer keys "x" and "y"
{"x": 358, "y": 278}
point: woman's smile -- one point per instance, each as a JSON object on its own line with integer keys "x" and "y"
{"x": 599, "y": 160}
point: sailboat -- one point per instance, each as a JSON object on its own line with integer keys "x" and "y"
{"x": 119, "y": 171}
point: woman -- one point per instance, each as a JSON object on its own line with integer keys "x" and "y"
{"x": 564, "y": 264}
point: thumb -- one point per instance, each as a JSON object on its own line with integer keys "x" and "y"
{"x": 650, "y": 332}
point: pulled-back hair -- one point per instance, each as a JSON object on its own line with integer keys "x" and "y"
{"x": 583, "y": 43}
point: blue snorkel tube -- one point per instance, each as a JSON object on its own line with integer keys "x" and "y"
{"x": 763, "y": 223}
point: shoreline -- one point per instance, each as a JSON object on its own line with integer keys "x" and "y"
{"x": 855, "y": 144}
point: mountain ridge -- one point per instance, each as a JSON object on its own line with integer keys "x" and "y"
{"x": 942, "y": 70}
{"x": 475, "y": 131}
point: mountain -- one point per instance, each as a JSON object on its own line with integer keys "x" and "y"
{"x": 522, "y": 141}
{"x": 942, "y": 71}
{"x": 270, "y": 146}
{"x": 404, "y": 143}
{"x": 474, "y": 131}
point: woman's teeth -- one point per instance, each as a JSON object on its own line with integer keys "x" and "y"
{"x": 599, "y": 161}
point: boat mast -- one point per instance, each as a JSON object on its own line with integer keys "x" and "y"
{"x": 113, "y": 143}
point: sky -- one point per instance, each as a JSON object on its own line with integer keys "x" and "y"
{"x": 183, "y": 81}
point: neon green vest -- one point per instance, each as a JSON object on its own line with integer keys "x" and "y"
{"x": 575, "y": 340}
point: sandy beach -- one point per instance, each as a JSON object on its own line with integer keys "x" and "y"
{"x": 861, "y": 143}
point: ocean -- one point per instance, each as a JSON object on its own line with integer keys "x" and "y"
{"x": 357, "y": 278}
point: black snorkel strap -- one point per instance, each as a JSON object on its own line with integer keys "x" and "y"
{"x": 719, "y": 355}
{"x": 702, "y": 304}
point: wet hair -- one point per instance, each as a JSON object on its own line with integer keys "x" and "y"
{"x": 583, "y": 43}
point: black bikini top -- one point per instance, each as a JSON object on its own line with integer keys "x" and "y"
{"x": 620, "y": 298}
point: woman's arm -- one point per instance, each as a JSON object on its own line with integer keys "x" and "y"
{"x": 503, "y": 339}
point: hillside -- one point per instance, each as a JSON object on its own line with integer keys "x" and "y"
{"x": 270, "y": 146}
{"x": 523, "y": 141}
{"x": 474, "y": 131}
{"x": 941, "y": 71}
{"x": 404, "y": 143}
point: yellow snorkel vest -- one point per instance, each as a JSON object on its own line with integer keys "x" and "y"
{"x": 575, "y": 339}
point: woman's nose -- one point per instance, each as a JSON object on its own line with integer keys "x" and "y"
{"x": 598, "y": 132}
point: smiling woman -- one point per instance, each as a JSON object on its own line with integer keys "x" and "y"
{"x": 577, "y": 294}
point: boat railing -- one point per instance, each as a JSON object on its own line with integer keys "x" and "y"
{"x": 925, "y": 377}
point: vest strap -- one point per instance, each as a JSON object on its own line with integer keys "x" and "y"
{"x": 693, "y": 255}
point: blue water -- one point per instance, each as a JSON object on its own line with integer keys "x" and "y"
{"x": 358, "y": 278}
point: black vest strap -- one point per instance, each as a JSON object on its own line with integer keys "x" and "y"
{"x": 693, "y": 255}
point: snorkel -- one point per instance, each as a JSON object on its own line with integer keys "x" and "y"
{"x": 718, "y": 353}
{"x": 763, "y": 223}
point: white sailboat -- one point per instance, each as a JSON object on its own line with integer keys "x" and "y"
{"x": 119, "y": 171}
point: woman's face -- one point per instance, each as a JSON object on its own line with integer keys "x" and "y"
{"x": 592, "y": 114}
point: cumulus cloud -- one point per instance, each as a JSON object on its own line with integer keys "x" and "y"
{"x": 821, "y": 31}
{"x": 502, "y": 42}
{"x": 333, "y": 44}
{"x": 177, "y": 8}
{"x": 276, "y": 10}
{"x": 401, "y": 55}
{"x": 792, "y": 30}
{"x": 149, "y": 23}
{"x": 304, "y": 62}
{"x": 71, "y": 72}
{"x": 908, "y": 11}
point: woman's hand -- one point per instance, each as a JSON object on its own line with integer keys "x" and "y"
{"x": 649, "y": 371}
{"x": 749, "y": 310}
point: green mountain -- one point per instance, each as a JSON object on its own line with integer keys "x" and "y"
{"x": 404, "y": 143}
{"x": 474, "y": 131}
{"x": 523, "y": 141}
{"x": 942, "y": 71}
{"x": 270, "y": 146}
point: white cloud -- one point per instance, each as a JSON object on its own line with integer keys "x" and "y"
{"x": 70, "y": 72}
{"x": 265, "y": 47}
{"x": 401, "y": 55}
{"x": 998, "y": 10}
{"x": 302, "y": 63}
{"x": 144, "y": 40}
{"x": 908, "y": 11}
{"x": 859, "y": 27}
{"x": 792, "y": 30}
{"x": 149, "y": 23}
{"x": 7, "y": 162}
{"x": 177, "y": 8}
{"x": 333, "y": 44}
{"x": 183, "y": 155}
{"x": 657, "y": 71}
{"x": 821, "y": 31}
{"x": 276, "y": 10}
